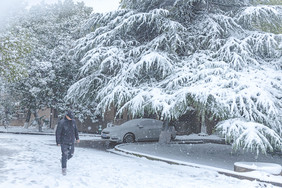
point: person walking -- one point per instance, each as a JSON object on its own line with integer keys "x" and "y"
{"x": 66, "y": 136}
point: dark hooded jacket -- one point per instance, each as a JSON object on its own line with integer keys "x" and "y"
{"x": 66, "y": 132}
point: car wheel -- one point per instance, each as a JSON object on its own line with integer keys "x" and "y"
{"x": 128, "y": 138}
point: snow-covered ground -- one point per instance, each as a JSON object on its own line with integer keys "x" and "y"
{"x": 33, "y": 161}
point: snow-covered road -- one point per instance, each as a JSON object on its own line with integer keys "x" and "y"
{"x": 34, "y": 161}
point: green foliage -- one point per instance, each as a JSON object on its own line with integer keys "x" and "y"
{"x": 267, "y": 2}
{"x": 273, "y": 26}
{"x": 14, "y": 47}
{"x": 267, "y": 19}
{"x": 269, "y": 27}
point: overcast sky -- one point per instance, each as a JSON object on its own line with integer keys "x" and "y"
{"x": 11, "y": 7}
{"x": 97, "y": 5}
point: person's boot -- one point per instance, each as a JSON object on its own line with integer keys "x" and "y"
{"x": 64, "y": 171}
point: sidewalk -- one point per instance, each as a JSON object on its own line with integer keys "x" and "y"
{"x": 30, "y": 130}
{"x": 35, "y": 131}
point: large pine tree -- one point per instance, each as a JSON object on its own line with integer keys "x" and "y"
{"x": 220, "y": 59}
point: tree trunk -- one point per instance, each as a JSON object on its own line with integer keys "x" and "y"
{"x": 27, "y": 119}
{"x": 37, "y": 121}
{"x": 203, "y": 123}
{"x": 165, "y": 136}
{"x": 6, "y": 119}
{"x": 35, "y": 116}
{"x": 51, "y": 117}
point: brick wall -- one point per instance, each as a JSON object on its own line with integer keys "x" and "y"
{"x": 19, "y": 118}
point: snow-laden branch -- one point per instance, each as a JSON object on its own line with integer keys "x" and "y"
{"x": 263, "y": 17}
{"x": 265, "y": 45}
{"x": 106, "y": 60}
{"x": 250, "y": 135}
{"x": 156, "y": 63}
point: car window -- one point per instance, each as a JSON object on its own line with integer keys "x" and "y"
{"x": 147, "y": 123}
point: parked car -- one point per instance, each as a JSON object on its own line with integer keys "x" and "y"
{"x": 136, "y": 130}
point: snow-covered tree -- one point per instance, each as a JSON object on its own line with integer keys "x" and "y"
{"x": 34, "y": 91}
{"x": 220, "y": 59}
{"x": 52, "y": 29}
{"x": 7, "y": 104}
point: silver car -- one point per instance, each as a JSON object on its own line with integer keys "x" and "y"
{"x": 136, "y": 130}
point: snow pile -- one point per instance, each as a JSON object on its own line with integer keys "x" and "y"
{"x": 270, "y": 168}
{"x": 198, "y": 137}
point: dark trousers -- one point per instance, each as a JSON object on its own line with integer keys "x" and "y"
{"x": 67, "y": 153}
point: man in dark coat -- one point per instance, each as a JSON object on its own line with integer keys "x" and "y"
{"x": 66, "y": 135}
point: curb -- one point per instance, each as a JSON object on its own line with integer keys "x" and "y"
{"x": 198, "y": 141}
{"x": 43, "y": 133}
{"x": 119, "y": 150}
{"x": 30, "y": 133}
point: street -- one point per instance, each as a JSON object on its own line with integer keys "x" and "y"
{"x": 34, "y": 161}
